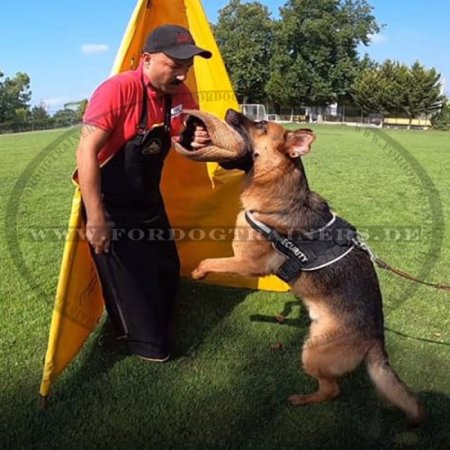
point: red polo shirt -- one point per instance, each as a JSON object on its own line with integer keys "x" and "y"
{"x": 116, "y": 106}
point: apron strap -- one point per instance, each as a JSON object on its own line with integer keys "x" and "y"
{"x": 168, "y": 113}
{"x": 143, "y": 120}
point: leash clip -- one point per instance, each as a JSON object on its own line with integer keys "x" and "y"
{"x": 360, "y": 243}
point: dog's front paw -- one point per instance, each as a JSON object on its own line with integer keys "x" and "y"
{"x": 199, "y": 273}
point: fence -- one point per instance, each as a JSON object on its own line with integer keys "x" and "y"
{"x": 30, "y": 125}
{"x": 343, "y": 114}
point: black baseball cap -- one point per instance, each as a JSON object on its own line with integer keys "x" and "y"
{"x": 174, "y": 41}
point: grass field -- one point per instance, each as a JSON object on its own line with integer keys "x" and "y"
{"x": 226, "y": 386}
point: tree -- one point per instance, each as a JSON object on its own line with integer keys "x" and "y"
{"x": 392, "y": 88}
{"x": 380, "y": 88}
{"x": 441, "y": 120}
{"x": 315, "y": 58}
{"x": 65, "y": 117}
{"x": 14, "y": 97}
{"x": 423, "y": 91}
{"x": 244, "y": 33}
{"x": 82, "y": 105}
{"x": 39, "y": 116}
{"x": 79, "y": 107}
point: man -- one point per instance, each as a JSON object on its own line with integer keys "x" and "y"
{"x": 125, "y": 139}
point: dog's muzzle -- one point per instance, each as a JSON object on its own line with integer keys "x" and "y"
{"x": 227, "y": 144}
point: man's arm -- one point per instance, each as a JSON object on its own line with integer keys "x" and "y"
{"x": 91, "y": 142}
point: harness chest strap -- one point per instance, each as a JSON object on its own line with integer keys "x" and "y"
{"x": 311, "y": 250}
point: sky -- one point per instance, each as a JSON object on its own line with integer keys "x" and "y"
{"x": 68, "y": 48}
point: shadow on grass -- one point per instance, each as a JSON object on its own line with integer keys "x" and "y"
{"x": 225, "y": 388}
{"x": 200, "y": 307}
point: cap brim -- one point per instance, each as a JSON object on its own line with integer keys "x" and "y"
{"x": 186, "y": 52}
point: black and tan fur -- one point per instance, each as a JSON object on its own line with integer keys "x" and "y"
{"x": 344, "y": 300}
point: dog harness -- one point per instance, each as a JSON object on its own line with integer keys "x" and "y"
{"x": 309, "y": 251}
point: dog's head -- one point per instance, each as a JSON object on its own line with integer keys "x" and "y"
{"x": 268, "y": 141}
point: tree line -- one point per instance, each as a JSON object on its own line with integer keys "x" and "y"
{"x": 306, "y": 57}
{"x": 16, "y": 114}
{"x": 309, "y": 56}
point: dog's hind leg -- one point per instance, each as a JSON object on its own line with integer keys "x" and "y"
{"x": 328, "y": 389}
{"x": 326, "y": 363}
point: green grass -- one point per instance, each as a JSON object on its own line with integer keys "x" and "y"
{"x": 226, "y": 387}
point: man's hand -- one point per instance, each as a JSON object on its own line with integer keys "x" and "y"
{"x": 201, "y": 138}
{"x": 98, "y": 234}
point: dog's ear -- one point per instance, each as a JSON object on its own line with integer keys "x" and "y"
{"x": 298, "y": 143}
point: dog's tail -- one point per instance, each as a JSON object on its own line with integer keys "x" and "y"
{"x": 391, "y": 386}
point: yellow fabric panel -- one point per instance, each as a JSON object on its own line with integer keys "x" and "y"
{"x": 78, "y": 303}
{"x": 198, "y": 196}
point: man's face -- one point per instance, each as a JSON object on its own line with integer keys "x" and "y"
{"x": 166, "y": 73}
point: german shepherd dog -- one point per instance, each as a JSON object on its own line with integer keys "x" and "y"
{"x": 343, "y": 300}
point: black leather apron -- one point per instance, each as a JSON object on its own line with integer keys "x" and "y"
{"x": 140, "y": 273}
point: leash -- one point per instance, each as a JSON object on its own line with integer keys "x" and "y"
{"x": 384, "y": 265}
{"x": 325, "y": 252}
